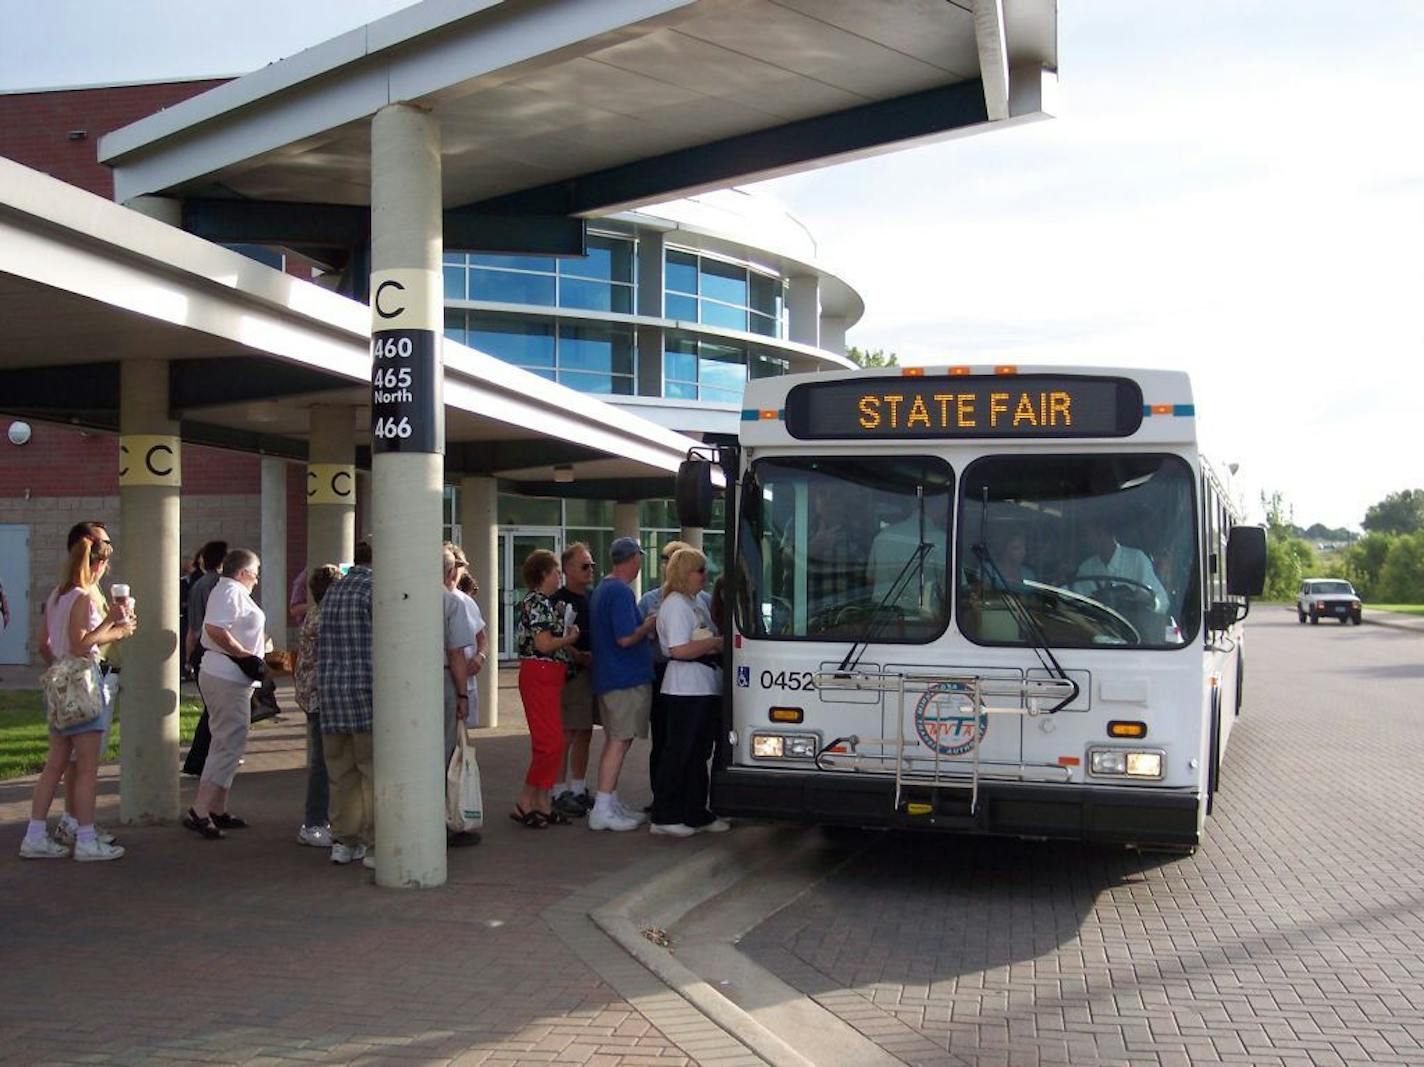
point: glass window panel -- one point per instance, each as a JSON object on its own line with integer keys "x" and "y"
{"x": 509, "y": 288}
{"x": 680, "y": 307}
{"x": 835, "y": 547}
{"x": 763, "y": 324}
{"x": 680, "y": 366}
{"x": 596, "y": 348}
{"x": 764, "y": 293}
{"x": 588, "y": 382}
{"x": 544, "y": 264}
{"x": 595, "y": 296}
{"x": 455, "y": 326}
{"x": 680, "y": 390}
{"x": 524, "y": 342}
{"x": 587, "y": 513}
{"x": 658, "y": 515}
{"x": 764, "y": 366}
{"x": 680, "y": 272}
{"x": 528, "y": 511}
{"x": 608, "y": 259}
{"x": 449, "y": 257}
{"x": 722, "y": 396}
{"x": 1099, "y": 550}
{"x": 454, "y": 282}
{"x": 728, "y": 318}
{"x": 726, "y": 282}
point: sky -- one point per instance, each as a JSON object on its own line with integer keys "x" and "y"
{"x": 1229, "y": 187}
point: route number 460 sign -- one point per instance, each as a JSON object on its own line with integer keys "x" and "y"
{"x": 405, "y": 412}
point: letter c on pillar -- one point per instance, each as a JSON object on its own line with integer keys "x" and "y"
{"x": 150, "y": 459}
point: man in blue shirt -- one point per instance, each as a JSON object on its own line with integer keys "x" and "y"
{"x": 622, "y": 678}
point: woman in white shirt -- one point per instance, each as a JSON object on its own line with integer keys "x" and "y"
{"x": 234, "y": 638}
{"x": 691, "y": 692}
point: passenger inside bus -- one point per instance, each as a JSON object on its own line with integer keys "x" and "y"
{"x": 921, "y": 589}
{"x": 1115, "y": 566}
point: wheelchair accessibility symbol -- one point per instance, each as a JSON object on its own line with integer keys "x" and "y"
{"x": 744, "y": 677}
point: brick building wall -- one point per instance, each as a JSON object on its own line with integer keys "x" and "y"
{"x": 65, "y": 475}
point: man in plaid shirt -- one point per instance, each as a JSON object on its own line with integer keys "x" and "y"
{"x": 344, "y": 694}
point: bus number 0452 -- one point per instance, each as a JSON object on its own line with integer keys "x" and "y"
{"x": 788, "y": 680}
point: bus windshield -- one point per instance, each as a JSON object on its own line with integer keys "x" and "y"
{"x": 845, "y": 548}
{"x": 1097, "y": 551}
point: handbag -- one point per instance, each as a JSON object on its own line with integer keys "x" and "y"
{"x": 71, "y": 692}
{"x": 464, "y": 800}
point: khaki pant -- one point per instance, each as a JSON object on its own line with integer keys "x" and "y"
{"x": 350, "y": 767}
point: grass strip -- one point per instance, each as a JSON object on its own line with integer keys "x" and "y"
{"x": 24, "y": 734}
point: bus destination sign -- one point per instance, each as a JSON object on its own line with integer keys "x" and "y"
{"x": 908, "y": 408}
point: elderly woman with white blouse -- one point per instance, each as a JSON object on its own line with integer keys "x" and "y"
{"x": 234, "y": 638}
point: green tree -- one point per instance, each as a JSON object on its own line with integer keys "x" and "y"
{"x": 1401, "y": 512}
{"x": 1402, "y": 576}
{"x": 863, "y": 357}
{"x": 1364, "y": 562}
{"x": 1289, "y": 558}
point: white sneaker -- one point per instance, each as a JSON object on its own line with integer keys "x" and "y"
{"x": 95, "y": 851}
{"x": 67, "y": 832}
{"x": 610, "y": 819}
{"x": 672, "y": 829}
{"x": 317, "y": 836}
{"x": 716, "y": 826}
{"x": 42, "y": 848}
{"x": 369, "y": 861}
{"x": 347, "y": 853}
{"x": 638, "y": 817}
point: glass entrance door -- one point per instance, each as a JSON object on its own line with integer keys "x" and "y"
{"x": 515, "y": 544}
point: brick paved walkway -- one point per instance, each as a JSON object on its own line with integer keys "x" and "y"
{"x": 1295, "y": 936}
{"x": 256, "y": 950}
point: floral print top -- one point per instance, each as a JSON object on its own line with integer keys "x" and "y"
{"x": 537, "y": 612}
{"x": 304, "y": 678}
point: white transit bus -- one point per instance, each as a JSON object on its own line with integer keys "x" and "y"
{"x": 1001, "y": 600}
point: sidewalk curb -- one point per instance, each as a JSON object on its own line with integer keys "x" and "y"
{"x": 1417, "y": 628}
{"x": 672, "y": 894}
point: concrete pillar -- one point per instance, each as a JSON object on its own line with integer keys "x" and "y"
{"x": 479, "y": 523}
{"x": 693, "y": 536}
{"x": 803, "y": 305}
{"x": 331, "y": 485}
{"x": 407, "y": 476}
{"x": 833, "y": 331}
{"x": 626, "y": 524}
{"x": 272, "y": 591}
{"x": 150, "y": 474}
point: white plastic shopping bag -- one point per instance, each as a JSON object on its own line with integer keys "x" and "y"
{"x": 464, "y": 802}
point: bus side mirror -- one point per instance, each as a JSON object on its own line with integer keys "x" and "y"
{"x": 1246, "y": 561}
{"x": 694, "y": 493}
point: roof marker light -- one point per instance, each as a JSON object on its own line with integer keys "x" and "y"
{"x": 1006, "y": 369}
{"x": 959, "y": 372}
{"x": 912, "y": 372}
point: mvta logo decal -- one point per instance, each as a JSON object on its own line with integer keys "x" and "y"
{"x": 944, "y": 720}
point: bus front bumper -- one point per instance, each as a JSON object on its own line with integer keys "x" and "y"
{"x": 1022, "y": 809}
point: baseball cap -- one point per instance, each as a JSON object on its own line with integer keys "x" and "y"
{"x": 624, "y": 549}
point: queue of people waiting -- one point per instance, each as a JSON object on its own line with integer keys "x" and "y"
{"x": 587, "y": 656}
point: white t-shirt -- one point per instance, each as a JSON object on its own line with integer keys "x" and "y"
{"x": 677, "y": 618}
{"x": 477, "y": 626}
{"x": 231, "y": 608}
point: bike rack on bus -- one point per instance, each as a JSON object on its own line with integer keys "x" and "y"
{"x": 983, "y": 696}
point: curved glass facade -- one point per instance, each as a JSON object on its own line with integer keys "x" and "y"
{"x": 604, "y": 280}
{"x": 723, "y": 293}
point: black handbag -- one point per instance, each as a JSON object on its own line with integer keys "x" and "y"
{"x": 252, "y": 666}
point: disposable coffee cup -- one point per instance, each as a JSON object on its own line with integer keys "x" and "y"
{"x": 120, "y": 591}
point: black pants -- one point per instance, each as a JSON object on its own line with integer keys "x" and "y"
{"x": 680, "y": 787}
{"x": 657, "y": 722}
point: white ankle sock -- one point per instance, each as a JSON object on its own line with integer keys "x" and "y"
{"x": 579, "y": 786}
{"x": 603, "y": 803}
{"x": 35, "y": 830}
{"x": 86, "y": 835}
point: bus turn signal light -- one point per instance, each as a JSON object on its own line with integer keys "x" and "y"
{"x": 1118, "y": 728}
{"x": 787, "y": 715}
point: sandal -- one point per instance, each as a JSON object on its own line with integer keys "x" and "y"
{"x": 557, "y": 818}
{"x": 203, "y": 826}
{"x": 533, "y": 820}
{"x": 226, "y": 821}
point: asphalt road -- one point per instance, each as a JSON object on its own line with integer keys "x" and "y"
{"x": 1295, "y": 935}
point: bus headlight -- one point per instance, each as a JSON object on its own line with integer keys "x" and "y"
{"x": 784, "y": 746}
{"x": 1124, "y": 763}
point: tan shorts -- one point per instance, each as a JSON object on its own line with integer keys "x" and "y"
{"x": 624, "y": 712}
{"x": 576, "y": 702}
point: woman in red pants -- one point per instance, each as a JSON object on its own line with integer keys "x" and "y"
{"x": 544, "y": 639}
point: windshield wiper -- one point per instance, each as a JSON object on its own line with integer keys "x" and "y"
{"x": 877, "y": 618}
{"x": 1019, "y": 611}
